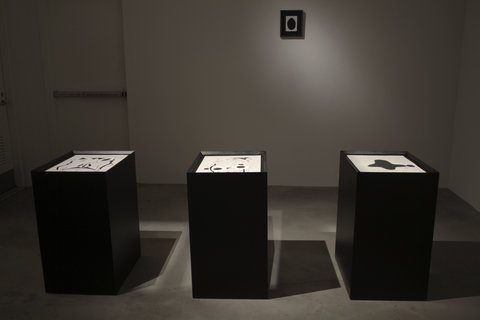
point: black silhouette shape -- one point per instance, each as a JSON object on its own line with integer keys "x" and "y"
{"x": 388, "y": 165}
{"x": 291, "y": 24}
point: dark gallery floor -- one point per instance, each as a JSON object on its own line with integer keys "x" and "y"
{"x": 305, "y": 280}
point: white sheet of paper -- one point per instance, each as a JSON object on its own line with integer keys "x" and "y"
{"x": 231, "y": 163}
{"x": 88, "y": 163}
{"x": 384, "y": 163}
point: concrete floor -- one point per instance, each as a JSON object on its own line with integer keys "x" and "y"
{"x": 306, "y": 283}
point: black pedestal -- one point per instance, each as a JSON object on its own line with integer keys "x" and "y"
{"x": 384, "y": 229}
{"x": 228, "y": 231}
{"x": 87, "y": 225}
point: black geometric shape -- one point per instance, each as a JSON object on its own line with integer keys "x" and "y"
{"x": 387, "y": 165}
{"x": 291, "y": 24}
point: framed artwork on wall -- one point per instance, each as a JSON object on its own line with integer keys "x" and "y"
{"x": 291, "y": 24}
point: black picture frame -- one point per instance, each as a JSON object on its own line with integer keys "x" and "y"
{"x": 292, "y": 24}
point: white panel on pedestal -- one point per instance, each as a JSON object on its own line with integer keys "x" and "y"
{"x": 384, "y": 163}
{"x": 234, "y": 163}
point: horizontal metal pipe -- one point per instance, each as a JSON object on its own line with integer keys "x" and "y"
{"x": 88, "y": 94}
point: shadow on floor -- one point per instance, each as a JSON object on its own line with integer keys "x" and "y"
{"x": 157, "y": 247}
{"x": 300, "y": 267}
{"x": 454, "y": 270}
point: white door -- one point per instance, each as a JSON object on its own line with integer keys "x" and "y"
{"x": 83, "y": 51}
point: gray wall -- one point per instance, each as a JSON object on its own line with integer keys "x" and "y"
{"x": 83, "y": 50}
{"x": 21, "y": 53}
{"x": 465, "y": 170}
{"x": 215, "y": 75}
{"x": 61, "y": 45}
{"x": 369, "y": 75}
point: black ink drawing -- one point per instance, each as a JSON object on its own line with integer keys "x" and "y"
{"x": 387, "y": 165}
{"x": 93, "y": 164}
{"x": 239, "y": 163}
{"x": 88, "y": 163}
{"x": 230, "y": 164}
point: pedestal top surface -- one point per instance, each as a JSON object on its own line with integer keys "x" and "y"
{"x": 384, "y": 163}
{"x": 88, "y": 163}
{"x": 230, "y": 163}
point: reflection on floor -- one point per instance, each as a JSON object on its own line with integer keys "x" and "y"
{"x": 305, "y": 281}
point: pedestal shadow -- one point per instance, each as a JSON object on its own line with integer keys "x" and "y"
{"x": 156, "y": 248}
{"x": 454, "y": 270}
{"x": 300, "y": 267}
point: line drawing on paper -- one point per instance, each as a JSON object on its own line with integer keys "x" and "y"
{"x": 93, "y": 164}
{"x": 218, "y": 164}
{"x": 88, "y": 163}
